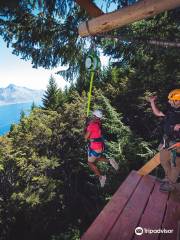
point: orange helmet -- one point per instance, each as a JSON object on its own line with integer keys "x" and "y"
{"x": 174, "y": 95}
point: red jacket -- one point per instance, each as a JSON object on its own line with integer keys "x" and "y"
{"x": 94, "y": 128}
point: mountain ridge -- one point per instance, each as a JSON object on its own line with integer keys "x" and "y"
{"x": 13, "y": 94}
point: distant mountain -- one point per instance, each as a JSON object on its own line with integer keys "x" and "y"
{"x": 15, "y": 94}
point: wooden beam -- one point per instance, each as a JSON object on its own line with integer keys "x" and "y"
{"x": 150, "y": 165}
{"x": 90, "y": 8}
{"x": 140, "y": 10}
{"x": 164, "y": 44}
{"x": 141, "y": 40}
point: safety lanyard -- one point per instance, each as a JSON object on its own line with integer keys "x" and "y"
{"x": 90, "y": 92}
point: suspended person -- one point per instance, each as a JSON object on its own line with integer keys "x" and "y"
{"x": 171, "y": 135}
{"x": 96, "y": 146}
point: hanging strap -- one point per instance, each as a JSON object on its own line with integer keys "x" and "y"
{"x": 100, "y": 139}
{"x": 91, "y": 140}
{"x": 174, "y": 152}
{"x": 90, "y": 92}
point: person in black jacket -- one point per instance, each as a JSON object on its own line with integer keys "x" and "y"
{"x": 171, "y": 135}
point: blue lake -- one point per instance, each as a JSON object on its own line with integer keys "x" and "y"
{"x": 10, "y": 114}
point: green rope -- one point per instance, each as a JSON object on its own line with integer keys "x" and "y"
{"x": 90, "y": 92}
{"x": 92, "y": 64}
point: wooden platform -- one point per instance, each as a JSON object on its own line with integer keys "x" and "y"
{"x": 137, "y": 203}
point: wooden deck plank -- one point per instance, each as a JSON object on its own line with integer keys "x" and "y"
{"x": 130, "y": 216}
{"x": 153, "y": 215}
{"x": 108, "y": 216}
{"x": 172, "y": 217}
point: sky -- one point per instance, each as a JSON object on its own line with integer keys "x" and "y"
{"x": 112, "y": 7}
{"x": 14, "y": 70}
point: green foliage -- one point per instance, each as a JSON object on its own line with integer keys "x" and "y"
{"x": 54, "y": 98}
{"x": 27, "y": 173}
{"x": 51, "y": 95}
{"x": 72, "y": 234}
{"x": 22, "y": 115}
{"x": 45, "y": 158}
{"x": 33, "y": 106}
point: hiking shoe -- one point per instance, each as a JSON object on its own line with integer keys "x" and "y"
{"x": 114, "y": 164}
{"x": 166, "y": 187}
{"x": 102, "y": 180}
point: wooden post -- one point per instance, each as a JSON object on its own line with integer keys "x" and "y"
{"x": 140, "y": 10}
{"x": 90, "y": 8}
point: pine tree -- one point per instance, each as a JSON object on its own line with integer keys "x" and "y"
{"x": 33, "y": 106}
{"x": 50, "y": 99}
{"x": 22, "y": 114}
{"x": 61, "y": 98}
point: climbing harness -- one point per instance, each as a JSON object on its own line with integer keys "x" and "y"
{"x": 101, "y": 139}
{"x": 96, "y": 140}
{"x": 93, "y": 152}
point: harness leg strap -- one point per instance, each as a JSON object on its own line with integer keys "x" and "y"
{"x": 173, "y": 152}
